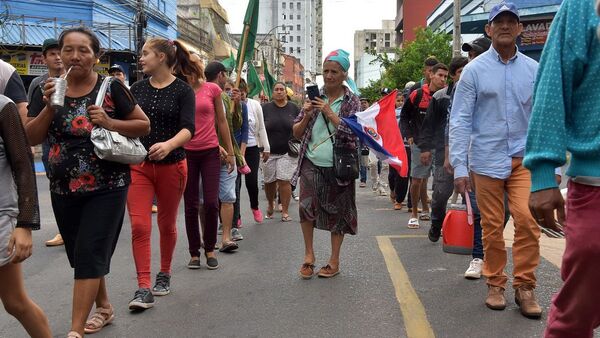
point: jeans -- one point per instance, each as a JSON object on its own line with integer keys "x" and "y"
{"x": 477, "y": 243}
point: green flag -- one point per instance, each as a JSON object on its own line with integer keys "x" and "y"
{"x": 269, "y": 80}
{"x": 249, "y": 35}
{"x": 229, "y": 63}
{"x": 254, "y": 85}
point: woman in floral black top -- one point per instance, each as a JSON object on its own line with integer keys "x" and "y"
{"x": 88, "y": 194}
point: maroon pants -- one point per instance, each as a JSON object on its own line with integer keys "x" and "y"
{"x": 575, "y": 310}
{"x": 208, "y": 164}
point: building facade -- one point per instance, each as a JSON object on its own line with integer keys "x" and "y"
{"x": 368, "y": 42}
{"x": 410, "y": 15}
{"x": 29, "y": 23}
{"x": 368, "y": 69}
{"x": 536, "y": 16}
{"x": 299, "y": 27}
{"x": 292, "y": 76}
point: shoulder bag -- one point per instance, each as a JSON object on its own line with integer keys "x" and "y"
{"x": 112, "y": 146}
{"x": 345, "y": 161}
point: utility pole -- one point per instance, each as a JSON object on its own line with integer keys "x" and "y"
{"x": 456, "y": 42}
{"x": 140, "y": 24}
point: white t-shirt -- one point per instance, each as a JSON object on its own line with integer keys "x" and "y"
{"x": 251, "y": 127}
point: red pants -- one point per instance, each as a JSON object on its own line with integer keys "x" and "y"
{"x": 575, "y": 310}
{"x": 167, "y": 183}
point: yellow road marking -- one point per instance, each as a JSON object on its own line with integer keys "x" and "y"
{"x": 413, "y": 312}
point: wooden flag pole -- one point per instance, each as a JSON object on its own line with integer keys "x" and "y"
{"x": 242, "y": 55}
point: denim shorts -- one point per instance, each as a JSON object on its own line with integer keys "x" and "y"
{"x": 418, "y": 170}
{"x": 7, "y": 226}
{"x": 227, "y": 185}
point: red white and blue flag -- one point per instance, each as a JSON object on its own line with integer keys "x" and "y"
{"x": 377, "y": 128}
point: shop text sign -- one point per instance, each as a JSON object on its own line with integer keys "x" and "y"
{"x": 535, "y": 32}
{"x": 26, "y": 62}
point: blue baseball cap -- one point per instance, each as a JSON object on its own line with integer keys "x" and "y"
{"x": 504, "y": 7}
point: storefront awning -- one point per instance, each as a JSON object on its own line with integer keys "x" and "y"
{"x": 116, "y": 38}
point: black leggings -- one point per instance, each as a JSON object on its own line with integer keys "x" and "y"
{"x": 253, "y": 159}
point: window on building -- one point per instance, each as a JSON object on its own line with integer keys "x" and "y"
{"x": 298, "y": 27}
{"x": 291, "y": 5}
{"x": 283, "y": 39}
{"x": 283, "y": 5}
{"x": 387, "y": 36}
{"x": 291, "y": 39}
{"x": 291, "y": 28}
{"x": 373, "y": 44}
{"x": 387, "y": 44}
{"x": 291, "y": 50}
{"x": 298, "y": 17}
{"x": 298, "y": 5}
{"x": 373, "y": 36}
{"x": 284, "y": 17}
{"x": 298, "y": 38}
{"x": 298, "y": 49}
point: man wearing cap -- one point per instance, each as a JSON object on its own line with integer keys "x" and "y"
{"x": 117, "y": 71}
{"x": 52, "y": 60}
{"x": 488, "y": 124}
{"x": 476, "y": 47}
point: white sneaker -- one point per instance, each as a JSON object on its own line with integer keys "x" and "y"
{"x": 474, "y": 270}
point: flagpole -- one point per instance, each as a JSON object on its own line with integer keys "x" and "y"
{"x": 242, "y": 55}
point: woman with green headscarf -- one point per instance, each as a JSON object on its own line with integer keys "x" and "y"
{"x": 326, "y": 202}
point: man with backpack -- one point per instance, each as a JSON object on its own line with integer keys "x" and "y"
{"x": 411, "y": 121}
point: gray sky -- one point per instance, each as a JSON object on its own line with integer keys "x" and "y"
{"x": 340, "y": 19}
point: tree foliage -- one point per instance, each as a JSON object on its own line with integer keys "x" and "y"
{"x": 408, "y": 63}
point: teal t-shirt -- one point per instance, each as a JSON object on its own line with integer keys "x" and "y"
{"x": 323, "y": 155}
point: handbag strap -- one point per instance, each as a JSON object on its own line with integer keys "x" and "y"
{"x": 331, "y": 137}
{"x": 102, "y": 91}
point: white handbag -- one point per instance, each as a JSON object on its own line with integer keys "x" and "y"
{"x": 112, "y": 146}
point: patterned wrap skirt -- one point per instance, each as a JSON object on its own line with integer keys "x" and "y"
{"x": 328, "y": 205}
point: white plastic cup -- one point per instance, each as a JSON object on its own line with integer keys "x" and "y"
{"x": 57, "y": 99}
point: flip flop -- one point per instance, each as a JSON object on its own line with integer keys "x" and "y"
{"x": 229, "y": 247}
{"x": 413, "y": 223}
{"x": 286, "y": 218}
{"x": 269, "y": 214}
{"x": 425, "y": 216}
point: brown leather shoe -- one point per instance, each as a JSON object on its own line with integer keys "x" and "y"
{"x": 495, "y": 299}
{"x": 525, "y": 298}
{"x": 307, "y": 271}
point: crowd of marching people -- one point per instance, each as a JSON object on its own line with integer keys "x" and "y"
{"x": 472, "y": 125}
{"x": 482, "y": 135}
{"x": 201, "y": 134}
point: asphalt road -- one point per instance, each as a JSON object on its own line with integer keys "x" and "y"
{"x": 395, "y": 286}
